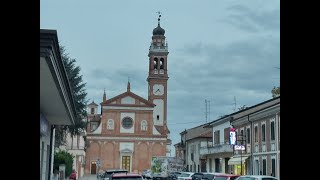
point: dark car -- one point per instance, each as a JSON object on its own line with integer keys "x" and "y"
{"x": 110, "y": 172}
{"x": 100, "y": 174}
{"x": 197, "y": 176}
{"x": 173, "y": 175}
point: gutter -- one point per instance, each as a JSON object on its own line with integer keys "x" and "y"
{"x": 251, "y": 138}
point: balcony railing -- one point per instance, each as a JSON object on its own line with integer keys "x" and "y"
{"x": 158, "y": 48}
{"x": 75, "y": 148}
{"x": 216, "y": 149}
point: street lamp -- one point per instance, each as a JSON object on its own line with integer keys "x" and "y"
{"x": 242, "y": 147}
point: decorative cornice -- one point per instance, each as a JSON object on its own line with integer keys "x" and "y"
{"x": 130, "y": 94}
{"x": 126, "y": 138}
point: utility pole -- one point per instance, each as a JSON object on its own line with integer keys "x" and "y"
{"x": 243, "y": 139}
{"x": 234, "y": 103}
{"x": 205, "y": 101}
{"x": 209, "y": 110}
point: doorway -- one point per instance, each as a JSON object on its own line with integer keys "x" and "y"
{"x": 93, "y": 167}
{"x": 217, "y": 165}
{"x": 203, "y": 165}
{"x": 126, "y": 163}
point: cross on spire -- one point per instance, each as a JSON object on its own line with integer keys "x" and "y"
{"x": 104, "y": 95}
{"x": 128, "y": 86}
{"x": 159, "y": 17}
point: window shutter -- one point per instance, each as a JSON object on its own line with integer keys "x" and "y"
{"x": 226, "y": 135}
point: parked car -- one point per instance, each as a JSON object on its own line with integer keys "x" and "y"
{"x": 226, "y": 177}
{"x": 173, "y": 175}
{"x": 185, "y": 176}
{"x": 109, "y": 172}
{"x": 210, "y": 176}
{"x": 256, "y": 177}
{"x": 197, "y": 176}
{"x": 100, "y": 174}
{"x": 147, "y": 174}
{"x": 126, "y": 176}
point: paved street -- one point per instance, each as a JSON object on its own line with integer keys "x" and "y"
{"x": 88, "y": 177}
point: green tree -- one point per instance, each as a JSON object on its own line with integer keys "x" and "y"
{"x": 275, "y": 91}
{"x": 79, "y": 94}
{"x": 63, "y": 157}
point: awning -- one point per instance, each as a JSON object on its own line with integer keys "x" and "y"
{"x": 237, "y": 160}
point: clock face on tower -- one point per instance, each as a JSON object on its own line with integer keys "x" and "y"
{"x": 158, "y": 89}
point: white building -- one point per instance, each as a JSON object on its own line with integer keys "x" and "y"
{"x": 76, "y": 146}
{"x": 56, "y": 101}
{"x": 218, "y": 154}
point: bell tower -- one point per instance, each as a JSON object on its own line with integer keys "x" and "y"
{"x": 158, "y": 76}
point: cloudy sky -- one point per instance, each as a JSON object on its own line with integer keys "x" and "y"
{"x": 222, "y": 51}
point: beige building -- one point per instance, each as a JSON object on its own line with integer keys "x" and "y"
{"x": 257, "y": 134}
{"x": 191, "y": 142}
{"x": 259, "y": 127}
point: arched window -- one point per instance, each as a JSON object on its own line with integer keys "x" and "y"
{"x": 144, "y": 125}
{"x": 161, "y": 63}
{"x": 110, "y": 124}
{"x": 155, "y": 63}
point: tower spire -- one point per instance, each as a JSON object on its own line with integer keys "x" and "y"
{"x": 159, "y": 17}
{"x": 128, "y": 86}
{"x": 104, "y": 95}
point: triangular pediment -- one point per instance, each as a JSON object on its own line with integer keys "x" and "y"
{"x": 128, "y": 98}
{"x": 126, "y": 150}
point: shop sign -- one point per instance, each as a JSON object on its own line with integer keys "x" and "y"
{"x": 233, "y": 136}
{"x": 239, "y": 147}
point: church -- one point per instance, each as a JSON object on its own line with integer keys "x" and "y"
{"x": 130, "y": 129}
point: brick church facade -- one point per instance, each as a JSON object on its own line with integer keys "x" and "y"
{"x": 130, "y": 129}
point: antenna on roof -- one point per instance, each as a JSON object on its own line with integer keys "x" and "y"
{"x": 207, "y": 103}
{"x": 235, "y": 103}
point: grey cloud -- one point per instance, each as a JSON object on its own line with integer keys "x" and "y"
{"x": 253, "y": 19}
{"x": 241, "y": 69}
{"x": 235, "y": 63}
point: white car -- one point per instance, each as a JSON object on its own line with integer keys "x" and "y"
{"x": 185, "y": 176}
{"x": 256, "y": 177}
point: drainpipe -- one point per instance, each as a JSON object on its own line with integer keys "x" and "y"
{"x": 187, "y": 155}
{"x": 51, "y": 149}
{"x": 251, "y": 138}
